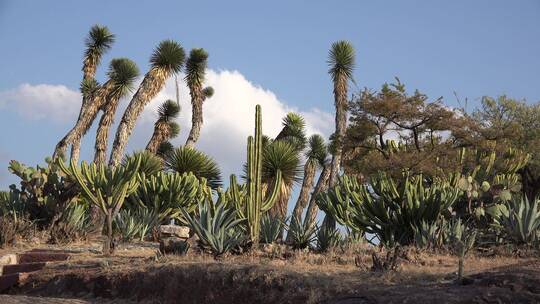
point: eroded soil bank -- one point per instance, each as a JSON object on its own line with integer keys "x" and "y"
{"x": 136, "y": 276}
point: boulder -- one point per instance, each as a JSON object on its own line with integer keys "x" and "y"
{"x": 166, "y": 231}
{"x": 174, "y": 245}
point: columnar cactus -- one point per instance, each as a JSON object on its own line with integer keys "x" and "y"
{"x": 249, "y": 199}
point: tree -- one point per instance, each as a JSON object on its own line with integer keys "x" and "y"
{"x": 165, "y": 127}
{"x": 315, "y": 158}
{"x": 341, "y": 61}
{"x": 281, "y": 156}
{"x": 195, "y": 73}
{"x": 98, "y": 42}
{"x": 166, "y": 60}
{"x": 285, "y": 157}
{"x": 185, "y": 159}
{"x": 514, "y": 123}
{"x": 123, "y": 72}
{"x": 321, "y": 186}
{"x": 105, "y": 187}
{"x": 393, "y": 131}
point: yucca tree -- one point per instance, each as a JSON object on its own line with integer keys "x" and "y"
{"x": 164, "y": 149}
{"x": 167, "y": 59}
{"x": 315, "y": 159}
{"x": 98, "y": 42}
{"x": 281, "y": 156}
{"x": 185, "y": 160}
{"x": 293, "y": 131}
{"x": 341, "y": 62}
{"x": 195, "y": 74}
{"x": 165, "y": 127}
{"x": 293, "y": 137}
{"x": 123, "y": 73}
{"x": 119, "y": 70}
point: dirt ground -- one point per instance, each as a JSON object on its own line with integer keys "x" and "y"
{"x": 277, "y": 275}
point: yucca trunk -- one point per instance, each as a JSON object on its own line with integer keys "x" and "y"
{"x": 196, "y": 115}
{"x": 83, "y": 124}
{"x": 102, "y": 133}
{"x": 279, "y": 209}
{"x": 322, "y": 185}
{"x": 307, "y": 184}
{"x": 152, "y": 83}
{"x": 161, "y": 134}
{"x": 340, "y": 99}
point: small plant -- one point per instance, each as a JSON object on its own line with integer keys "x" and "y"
{"x": 13, "y": 226}
{"x": 271, "y": 227}
{"x": 462, "y": 241}
{"x": 216, "y": 228}
{"x": 73, "y": 225}
{"x": 430, "y": 235}
{"x": 182, "y": 248}
{"x": 301, "y": 237}
{"x": 388, "y": 262}
{"x": 327, "y": 238}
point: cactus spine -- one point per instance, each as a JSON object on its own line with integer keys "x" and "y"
{"x": 249, "y": 199}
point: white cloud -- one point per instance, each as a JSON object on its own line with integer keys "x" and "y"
{"x": 228, "y": 115}
{"x": 56, "y": 103}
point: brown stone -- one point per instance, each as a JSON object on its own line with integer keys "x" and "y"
{"x": 174, "y": 231}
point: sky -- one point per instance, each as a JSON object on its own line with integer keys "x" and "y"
{"x": 268, "y": 52}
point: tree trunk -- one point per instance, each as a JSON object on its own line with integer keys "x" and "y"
{"x": 152, "y": 83}
{"x": 307, "y": 184}
{"x": 196, "y": 117}
{"x": 102, "y": 133}
{"x": 161, "y": 134}
{"x": 83, "y": 124}
{"x": 340, "y": 100}
{"x": 279, "y": 209}
{"x": 322, "y": 185}
{"x": 108, "y": 246}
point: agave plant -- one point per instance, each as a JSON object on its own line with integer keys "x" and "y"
{"x": 185, "y": 160}
{"x": 327, "y": 238}
{"x": 134, "y": 224}
{"x": 271, "y": 227}
{"x": 521, "y": 221}
{"x": 216, "y": 228}
{"x": 301, "y": 237}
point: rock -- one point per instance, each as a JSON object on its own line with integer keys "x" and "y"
{"x": 8, "y": 259}
{"x": 174, "y": 245}
{"x": 166, "y": 231}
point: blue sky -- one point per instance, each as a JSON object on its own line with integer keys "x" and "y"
{"x": 276, "y": 49}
